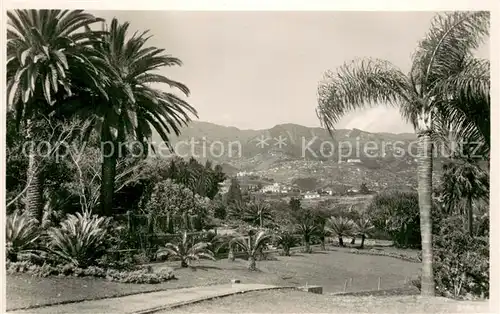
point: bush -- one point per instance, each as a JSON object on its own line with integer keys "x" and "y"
{"x": 139, "y": 275}
{"x": 80, "y": 239}
{"x": 461, "y": 262}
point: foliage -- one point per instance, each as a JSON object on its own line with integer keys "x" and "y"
{"x": 444, "y": 90}
{"x": 188, "y": 250}
{"x": 144, "y": 275}
{"x": 286, "y": 240}
{"x": 363, "y": 189}
{"x": 177, "y": 201}
{"x": 464, "y": 182}
{"x": 364, "y": 227}
{"x": 234, "y": 196}
{"x": 22, "y": 232}
{"x": 80, "y": 239}
{"x": 398, "y": 214}
{"x": 258, "y": 213}
{"x": 461, "y": 261}
{"x": 252, "y": 245}
{"x": 340, "y": 226}
{"x": 305, "y": 225}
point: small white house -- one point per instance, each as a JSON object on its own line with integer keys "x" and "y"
{"x": 311, "y": 195}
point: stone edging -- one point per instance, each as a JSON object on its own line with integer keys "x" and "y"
{"x": 201, "y": 299}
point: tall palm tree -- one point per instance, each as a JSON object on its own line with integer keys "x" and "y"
{"x": 440, "y": 81}
{"x": 134, "y": 108}
{"x": 47, "y": 53}
{"x": 464, "y": 180}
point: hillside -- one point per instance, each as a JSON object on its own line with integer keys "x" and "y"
{"x": 289, "y": 151}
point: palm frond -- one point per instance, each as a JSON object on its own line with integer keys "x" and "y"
{"x": 450, "y": 40}
{"x": 360, "y": 84}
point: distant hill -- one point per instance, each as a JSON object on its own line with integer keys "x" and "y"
{"x": 289, "y": 151}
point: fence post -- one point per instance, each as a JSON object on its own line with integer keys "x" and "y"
{"x": 378, "y": 287}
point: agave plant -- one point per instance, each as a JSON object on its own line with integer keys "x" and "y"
{"x": 80, "y": 239}
{"x": 252, "y": 245}
{"x": 188, "y": 250}
{"x": 340, "y": 226}
{"x": 21, "y": 234}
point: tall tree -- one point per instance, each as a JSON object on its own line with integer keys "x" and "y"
{"x": 134, "y": 108}
{"x": 47, "y": 54}
{"x": 464, "y": 181}
{"x": 441, "y": 79}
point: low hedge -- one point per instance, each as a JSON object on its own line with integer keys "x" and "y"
{"x": 140, "y": 275}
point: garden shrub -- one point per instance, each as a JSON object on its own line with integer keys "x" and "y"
{"x": 139, "y": 275}
{"x": 460, "y": 262}
{"x": 22, "y": 233}
{"x": 80, "y": 239}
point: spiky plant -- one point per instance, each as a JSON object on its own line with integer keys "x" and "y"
{"x": 188, "y": 250}
{"x": 340, "y": 226}
{"x": 80, "y": 239}
{"x": 21, "y": 234}
{"x": 286, "y": 240}
{"x": 363, "y": 227}
{"x": 252, "y": 245}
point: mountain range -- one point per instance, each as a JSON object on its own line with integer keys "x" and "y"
{"x": 289, "y": 151}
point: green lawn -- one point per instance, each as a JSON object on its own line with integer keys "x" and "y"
{"x": 330, "y": 269}
{"x": 289, "y": 301}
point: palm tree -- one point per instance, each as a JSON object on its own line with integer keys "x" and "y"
{"x": 306, "y": 227}
{"x": 134, "y": 108}
{"x": 257, "y": 212}
{"x": 252, "y": 245}
{"x": 464, "y": 180}
{"x": 47, "y": 54}
{"x": 440, "y": 81}
{"x": 286, "y": 240}
{"x": 340, "y": 226}
{"x": 364, "y": 227}
{"x": 188, "y": 250}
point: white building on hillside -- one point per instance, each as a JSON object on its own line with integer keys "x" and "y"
{"x": 311, "y": 195}
{"x": 274, "y": 188}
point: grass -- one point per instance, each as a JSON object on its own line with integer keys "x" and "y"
{"x": 330, "y": 269}
{"x": 291, "y": 301}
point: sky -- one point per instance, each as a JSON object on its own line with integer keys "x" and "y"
{"x": 253, "y": 70}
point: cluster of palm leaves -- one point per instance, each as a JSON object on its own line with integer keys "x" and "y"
{"x": 59, "y": 66}
{"x": 187, "y": 250}
{"x": 252, "y": 245}
{"x": 22, "y": 232}
{"x": 80, "y": 239}
{"x": 447, "y": 91}
{"x": 286, "y": 240}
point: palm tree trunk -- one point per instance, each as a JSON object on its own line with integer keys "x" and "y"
{"x": 109, "y": 153}
{"x": 323, "y": 247}
{"x": 230, "y": 255}
{"x": 362, "y": 241}
{"x": 252, "y": 265}
{"x": 341, "y": 241}
{"x": 470, "y": 217}
{"x": 34, "y": 193}
{"x": 425, "y": 204}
